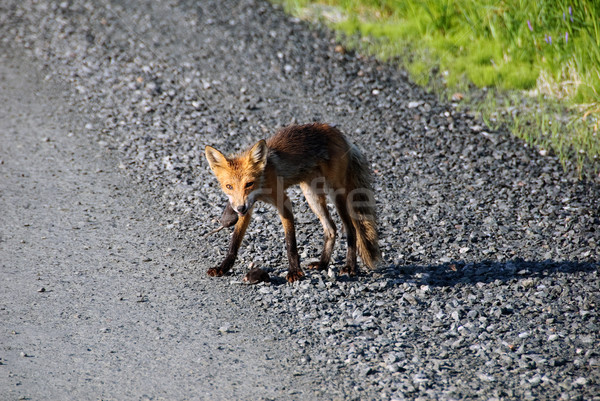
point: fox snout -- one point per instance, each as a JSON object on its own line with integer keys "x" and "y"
{"x": 241, "y": 210}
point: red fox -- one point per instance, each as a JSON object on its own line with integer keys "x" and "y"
{"x": 320, "y": 159}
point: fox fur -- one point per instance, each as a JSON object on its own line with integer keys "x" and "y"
{"x": 324, "y": 163}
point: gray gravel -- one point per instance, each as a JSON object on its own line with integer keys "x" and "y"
{"x": 490, "y": 286}
{"x": 97, "y": 300}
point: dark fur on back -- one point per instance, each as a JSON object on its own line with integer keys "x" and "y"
{"x": 300, "y": 148}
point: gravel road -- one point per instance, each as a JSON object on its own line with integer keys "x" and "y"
{"x": 490, "y": 286}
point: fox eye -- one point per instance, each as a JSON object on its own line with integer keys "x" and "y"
{"x": 229, "y": 186}
{"x": 250, "y": 184}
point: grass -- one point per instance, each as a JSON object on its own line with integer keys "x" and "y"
{"x": 544, "y": 52}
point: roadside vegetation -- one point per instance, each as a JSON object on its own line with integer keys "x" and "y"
{"x": 532, "y": 66}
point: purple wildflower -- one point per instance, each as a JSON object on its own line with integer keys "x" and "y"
{"x": 571, "y": 13}
{"x": 566, "y": 37}
{"x": 529, "y": 25}
{"x": 564, "y": 16}
{"x": 548, "y": 39}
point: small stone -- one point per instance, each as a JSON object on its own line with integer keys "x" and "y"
{"x": 393, "y": 368}
{"x": 410, "y": 299}
{"x": 527, "y": 283}
{"x": 420, "y": 378}
{"x": 265, "y": 290}
{"x": 485, "y": 377}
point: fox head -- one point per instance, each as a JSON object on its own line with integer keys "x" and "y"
{"x": 240, "y": 176}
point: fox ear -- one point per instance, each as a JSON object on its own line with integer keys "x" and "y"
{"x": 258, "y": 154}
{"x": 215, "y": 158}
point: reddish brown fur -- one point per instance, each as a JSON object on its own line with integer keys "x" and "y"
{"x": 322, "y": 161}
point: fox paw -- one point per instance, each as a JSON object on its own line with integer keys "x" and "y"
{"x": 349, "y": 270}
{"x": 316, "y": 266}
{"x": 214, "y": 272}
{"x": 295, "y": 275}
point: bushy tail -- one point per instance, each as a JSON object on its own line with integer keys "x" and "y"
{"x": 361, "y": 205}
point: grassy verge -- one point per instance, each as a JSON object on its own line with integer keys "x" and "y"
{"x": 538, "y": 62}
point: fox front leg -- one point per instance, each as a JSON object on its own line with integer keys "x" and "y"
{"x": 234, "y": 246}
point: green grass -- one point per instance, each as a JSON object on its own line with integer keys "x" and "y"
{"x": 545, "y": 51}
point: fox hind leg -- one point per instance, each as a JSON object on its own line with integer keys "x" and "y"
{"x": 317, "y": 201}
{"x": 341, "y": 203}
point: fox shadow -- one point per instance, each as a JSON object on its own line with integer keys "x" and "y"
{"x": 462, "y": 272}
{"x": 485, "y": 271}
